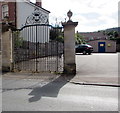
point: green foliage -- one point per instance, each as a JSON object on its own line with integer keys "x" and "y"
{"x": 112, "y": 35}
{"x": 118, "y": 40}
{"x": 56, "y": 34}
{"x": 60, "y": 38}
{"x": 79, "y": 39}
{"x": 18, "y": 41}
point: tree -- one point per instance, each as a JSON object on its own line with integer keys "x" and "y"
{"x": 56, "y": 34}
{"x": 113, "y": 35}
{"x": 79, "y": 39}
{"x": 18, "y": 40}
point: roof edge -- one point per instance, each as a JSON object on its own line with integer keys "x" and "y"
{"x": 39, "y": 7}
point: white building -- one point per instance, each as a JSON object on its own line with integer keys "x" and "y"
{"x": 23, "y": 12}
{"x": 29, "y": 13}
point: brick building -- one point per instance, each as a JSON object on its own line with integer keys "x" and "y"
{"x": 89, "y": 36}
{"x": 99, "y": 41}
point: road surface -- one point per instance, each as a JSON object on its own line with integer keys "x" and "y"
{"x": 23, "y": 94}
{"x": 58, "y": 95}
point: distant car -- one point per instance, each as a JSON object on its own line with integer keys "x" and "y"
{"x": 84, "y": 48}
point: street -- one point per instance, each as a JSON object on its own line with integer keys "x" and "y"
{"x": 60, "y": 94}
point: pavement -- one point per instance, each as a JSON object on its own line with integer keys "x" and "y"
{"x": 75, "y": 79}
{"x": 95, "y": 69}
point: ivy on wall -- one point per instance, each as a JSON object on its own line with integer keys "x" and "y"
{"x": 18, "y": 40}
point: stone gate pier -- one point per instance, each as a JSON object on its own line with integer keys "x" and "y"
{"x": 69, "y": 45}
{"x": 6, "y": 46}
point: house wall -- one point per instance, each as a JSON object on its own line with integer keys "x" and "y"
{"x": 36, "y": 34}
{"x": 109, "y": 47}
{"x": 2, "y": 3}
{"x": 24, "y": 10}
{"x": 112, "y": 47}
{"x": 12, "y": 12}
{"x": 0, "y": 11}
{"x": 0, "y": 24}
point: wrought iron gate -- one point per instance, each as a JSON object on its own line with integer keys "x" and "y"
{"x": 38, "y": 48}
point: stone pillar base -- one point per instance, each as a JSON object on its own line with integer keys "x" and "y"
{"x": 5, "y": 69}
{"x": 70, "y": 69}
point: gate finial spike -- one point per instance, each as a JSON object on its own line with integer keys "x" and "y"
{"x": 69, "y": 14}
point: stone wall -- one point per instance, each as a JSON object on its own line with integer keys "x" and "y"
{"x": 6, "y": 50}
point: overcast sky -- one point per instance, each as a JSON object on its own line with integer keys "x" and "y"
{"x": 92, "y": 15}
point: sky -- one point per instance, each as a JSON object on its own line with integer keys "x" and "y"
{"x": 91, "y": 15}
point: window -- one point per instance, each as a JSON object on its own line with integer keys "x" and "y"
{"x": 4, "y": 10}
{"x": 102, "y": 45}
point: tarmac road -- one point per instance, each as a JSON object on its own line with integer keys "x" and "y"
{"x": 57, "y": 95}
{"x": 60, "y": 94}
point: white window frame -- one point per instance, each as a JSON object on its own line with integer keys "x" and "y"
{"x": 4, "y": 10}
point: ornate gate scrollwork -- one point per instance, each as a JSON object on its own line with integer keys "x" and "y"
{"x": 37, "y": 18}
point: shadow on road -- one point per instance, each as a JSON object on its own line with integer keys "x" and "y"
{"x": 49, "y": 90}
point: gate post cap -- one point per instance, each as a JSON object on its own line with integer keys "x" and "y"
{"x": 69, "y": 22}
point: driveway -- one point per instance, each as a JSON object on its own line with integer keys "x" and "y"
{"x": 97, "y": 68}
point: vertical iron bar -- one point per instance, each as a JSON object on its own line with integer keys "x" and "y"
{"x": 45, "y": 49}
{"x": 34, "y": 34}
{"x": 25, "y": 51}
{"x": 33, "y": 40}
{"x": 57, "y": 44}
{"x": 43, "y": 34}
{"x": 32, "y": 49}
{"x": 48, "y": 35}
{"x": 14, "y": 49}
{"x": 50, "y": 58}
{"x": 36, "y": 49}
{"x": 30, "y": 54}
{"x": 28, "y": 68}
{"x": 56, "y": 51}
{"x": 40, "y": 51}
{"x": 21, "y": 32}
